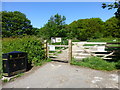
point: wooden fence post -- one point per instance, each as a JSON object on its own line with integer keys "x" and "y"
{"x": 46, "y": 49}
{"x": 69, "y": 51}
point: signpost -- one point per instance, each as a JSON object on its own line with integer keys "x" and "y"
{"x": 51, "y": 48}
{"x": 58, "y": 39}
{"x": 55, "y": 39}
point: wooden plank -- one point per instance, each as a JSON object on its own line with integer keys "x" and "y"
{"x": 52, "y": 56}
{"x": 81, "y": 54}
{"x": 108, "y": 54}
{"x": 77, "y": 50}
{"x": 100, "y": 54}
{"x": 95, "y": 43}
{"x": 91, "y": 47}
{"x": 77, "y": 57}
{"x": 107, "y": 58}
{"x": 79, "y": 42}
{"x": 61, "y": 45}
{"x": 88, "y": 50}
{"x": 88, "y": 46}
{"x": 69, "y": 51}
{"x": 45, "y": 48}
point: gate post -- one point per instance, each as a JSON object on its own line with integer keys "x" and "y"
{"x": 69, "y": 51}
{"x": 46, "y": 49}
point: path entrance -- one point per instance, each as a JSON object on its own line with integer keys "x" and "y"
{"x": 61, "y": 53}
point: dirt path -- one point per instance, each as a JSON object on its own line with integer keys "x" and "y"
{"x": 63, "y": 75}
{"x": 63, "y": 56}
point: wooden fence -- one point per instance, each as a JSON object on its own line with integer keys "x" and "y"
{"x": 84, "y": 51}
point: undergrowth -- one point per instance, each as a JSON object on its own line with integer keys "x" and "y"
{"x": 95, "y": 63}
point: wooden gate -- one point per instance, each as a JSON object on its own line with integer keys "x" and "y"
{"x": 98, "y": 49}
{"x": 59, "y": 54}
{"x": 78, "y": 51}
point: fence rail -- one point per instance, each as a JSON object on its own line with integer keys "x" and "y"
{"x": 61, "y": 45}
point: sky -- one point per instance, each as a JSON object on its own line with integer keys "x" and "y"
{"x": 40, "y": 12}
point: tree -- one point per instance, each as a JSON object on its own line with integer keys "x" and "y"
{"x": 54, "y": 27}
{"x": 116, "y": 25}
{"x": 84, "y": 29}
{"x": 111, "y": 6}
{"x": 15, "y": 23}
{"x": 112, "y": 28}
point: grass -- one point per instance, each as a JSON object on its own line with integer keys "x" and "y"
{"x": 76, "y": 40}
{"x": 59, "y": 52}
{"x": 13, "y": 78}
{"x": 114, "y": 45}
{"x": 108, "y": 39}
{"x": 95, "y": 63}
{"x": 1, "y": 68}
{"x": 52, "y": 51}
{"x": 89, "y": 44}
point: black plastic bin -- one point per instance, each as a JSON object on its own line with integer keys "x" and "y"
{"x": 14, "y": 62}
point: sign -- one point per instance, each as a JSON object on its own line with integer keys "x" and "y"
{"x": 101, "y": 48}
{"x": 51, "y": 47}
{"x": 52, "y": 40}
{"x": 58, "y": 39}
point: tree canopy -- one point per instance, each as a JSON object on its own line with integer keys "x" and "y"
{"x": 84, "y": 29}
{"x": 112, "y": 27}
{"x": 15, "y": 23}
{"x": 54, "y": 27}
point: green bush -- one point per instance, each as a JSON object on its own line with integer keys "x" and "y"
{"x": 95, "y": 63}
{"x": 29, "y": 44}
{"x": 118, "y": 65}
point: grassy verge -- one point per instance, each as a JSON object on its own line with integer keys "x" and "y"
{"x": 95, "y": 63}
